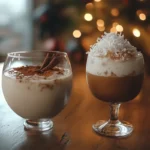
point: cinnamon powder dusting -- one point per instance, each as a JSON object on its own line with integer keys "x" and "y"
{"x": 32, "y": 70}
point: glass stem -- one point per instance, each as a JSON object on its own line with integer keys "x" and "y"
{"x": 114, "y": 112}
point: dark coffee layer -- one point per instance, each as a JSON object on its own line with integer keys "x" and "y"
{"x": 115, "y": 89}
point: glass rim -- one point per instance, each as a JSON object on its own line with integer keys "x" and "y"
{"x": 16, "y": 54}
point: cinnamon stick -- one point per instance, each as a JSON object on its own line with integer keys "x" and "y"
{"x": 49, "y": 64}
{"x": 46, "y": 61}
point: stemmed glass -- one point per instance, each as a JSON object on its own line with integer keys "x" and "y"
{"x": 37, "y": 86}
{"x": 109, "y": 87}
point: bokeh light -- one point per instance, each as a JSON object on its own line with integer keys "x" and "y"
{"x": 136, "y": 32}
{"x": 77, "y": 33}
{"x": 88, "y": 17}
{"x": 115, "y": 12}
{"x": 89, "y": 6}
{"x": 119, "y": 28}
{"x": 142, "y": 16}
{"x": 100, "y": 23}
{"x": 97, "y": 0}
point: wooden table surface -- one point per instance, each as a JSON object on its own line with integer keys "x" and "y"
{"x": 75, "y": 123}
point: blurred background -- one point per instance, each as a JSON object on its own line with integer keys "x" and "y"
{"x": 72, "y": 25}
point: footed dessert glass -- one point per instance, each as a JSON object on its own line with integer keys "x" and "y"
{"x": 115, "y": 82}
{"x": 37, "y": 86}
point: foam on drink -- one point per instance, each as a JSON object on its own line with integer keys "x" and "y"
{"x": 113, "y": 55}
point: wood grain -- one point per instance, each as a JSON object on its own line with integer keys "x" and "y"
{"x": 75, "y": 122}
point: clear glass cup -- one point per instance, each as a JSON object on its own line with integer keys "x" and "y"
{"x": 37, "y": 98}
{"x": 114, "y": 89}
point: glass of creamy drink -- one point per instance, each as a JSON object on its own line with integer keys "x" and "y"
{"x": 114, "y": 71}
{"x": 37, "y": 86}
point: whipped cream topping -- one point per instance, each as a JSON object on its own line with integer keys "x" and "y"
{"x": 113, "y": 45}
{"x": 113, "y": 55}
{"x": 108, "y": 67}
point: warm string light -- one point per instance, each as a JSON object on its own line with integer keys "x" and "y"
{"x": 116, "y": 27}
{"x": 100, "y": 23}
{"x": 97, "y": 0}
{"x": 115, "y": 12}
{"x": 142, "y": 16}
{"x": 77, "y": 33}
{"x": 89, "y": 6}
{"x": 88, "y": 17}
{"x": 119, "y": 28}
{"x": 136, "y": 32}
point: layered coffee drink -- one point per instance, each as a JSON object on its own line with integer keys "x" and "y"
{"x": 115, "y": 75}
{"x": 114, "y": 71}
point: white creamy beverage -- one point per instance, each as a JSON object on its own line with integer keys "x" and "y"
{"x": 36, "y": 96}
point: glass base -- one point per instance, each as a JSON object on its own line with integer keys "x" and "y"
{"x": 38, "y": 125}
{"x": 113, "y": 128}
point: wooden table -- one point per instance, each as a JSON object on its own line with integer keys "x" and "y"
{"x": 75, "y": 122}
